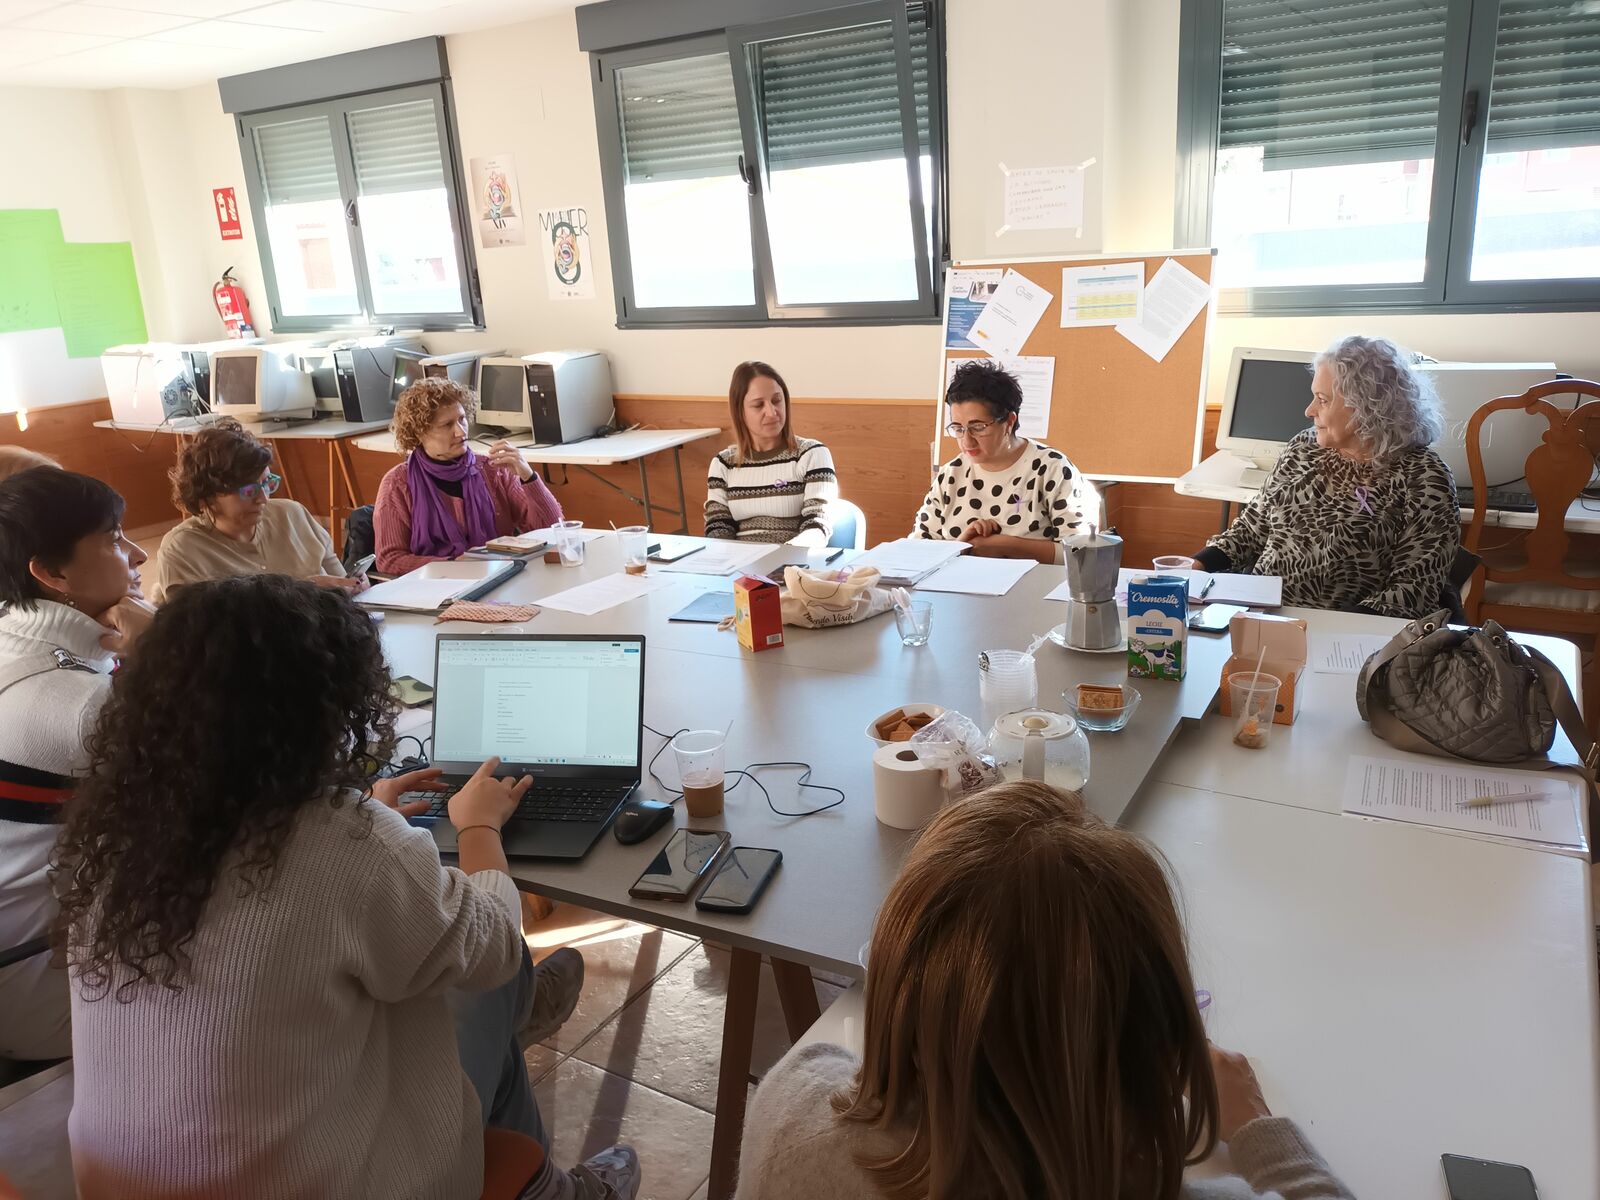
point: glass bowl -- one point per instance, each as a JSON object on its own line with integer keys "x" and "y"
{"x": 1102, "y": 720}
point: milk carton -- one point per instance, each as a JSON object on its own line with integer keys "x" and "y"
{"x": 1158, "y": 612}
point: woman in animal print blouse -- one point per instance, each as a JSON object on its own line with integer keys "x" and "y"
{"x": 1358, "y": 515}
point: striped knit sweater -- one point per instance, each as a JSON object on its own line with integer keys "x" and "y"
{"x": 45, "y": 721}
{"x": 781, "y": 496}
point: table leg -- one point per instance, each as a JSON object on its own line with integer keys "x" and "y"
{"x": 339, "y": 454}
{"x": 798, "y": 995}
{"x": 683, "y": 504}
{"x": 1227, "y": 510}
{"x": 333, "y": 506}
{"x": 733, "y": 1080}
{"x": 644, "y": 490}
{"x": 283, "y": 466}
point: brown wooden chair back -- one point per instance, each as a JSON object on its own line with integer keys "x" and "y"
{"x": 1557, "y": 470}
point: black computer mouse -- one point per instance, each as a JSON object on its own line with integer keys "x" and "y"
{"x": 638, "y": 819}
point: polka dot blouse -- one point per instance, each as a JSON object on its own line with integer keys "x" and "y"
{"x": 1041, "y": 495}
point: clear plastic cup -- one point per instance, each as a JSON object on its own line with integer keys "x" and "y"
{"x": 569, "y": 542}
{"x": 915, "y": 622}
{"x": 1255, "y": 700}
{"x": 700, "y": 769}
{"x": 635, "y": 548}
{"x": 1007, "y": 682}
{"x": 1173, "y": 562}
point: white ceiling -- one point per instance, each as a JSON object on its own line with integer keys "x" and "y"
{"x": 179, "y": 43}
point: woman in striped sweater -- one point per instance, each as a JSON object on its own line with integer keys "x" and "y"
{"x": 772, "y": 486}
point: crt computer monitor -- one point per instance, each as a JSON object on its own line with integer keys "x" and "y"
{"x": 503, "y": 394}
{"x": 1265, "y": 402}
{"x": 259, "y": 381}
{"x": 408, "y": 369}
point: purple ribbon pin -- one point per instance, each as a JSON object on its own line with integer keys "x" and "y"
{"x": 1361, "y": 502}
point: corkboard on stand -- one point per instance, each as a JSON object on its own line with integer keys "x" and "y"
{"x": 1114, "y": 411}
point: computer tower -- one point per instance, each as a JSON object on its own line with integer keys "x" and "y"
{"x": 364, "y": 370}
{"x": 569, "y": 394}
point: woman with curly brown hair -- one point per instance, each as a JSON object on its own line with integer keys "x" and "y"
{"x": 264, "y": 955}
{"x": 224, "y": 482}
{"x": 444, "y": 499}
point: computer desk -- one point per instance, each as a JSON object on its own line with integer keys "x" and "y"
{"x": 335, "y": 432}
{"x": 1406, "y": 992}
{"x": 1217, "y": 478}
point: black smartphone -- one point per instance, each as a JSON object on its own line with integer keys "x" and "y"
{"x": 676, "y": 872}
{"x": 740, "y": 880}
{"x": 411, "y": 692}
{"x": 1215, "y": 618}
{"x": 1480, "y": 1179}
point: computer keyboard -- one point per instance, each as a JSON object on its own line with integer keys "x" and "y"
{"x": 553, "y": 802}
{"x": 1500, "y": 500}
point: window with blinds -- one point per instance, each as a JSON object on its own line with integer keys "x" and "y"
{"x": 360, "y": 211}
{"x": 782, "y": 152}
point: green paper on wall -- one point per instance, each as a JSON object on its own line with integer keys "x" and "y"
{"x": 97, "y": 295}
{"x": 28, "y": 238}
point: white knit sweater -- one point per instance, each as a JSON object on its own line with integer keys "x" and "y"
{"x": 779, "y": 496}
{"x": 312, "y": 1052}
{"x": 45, "y": 721}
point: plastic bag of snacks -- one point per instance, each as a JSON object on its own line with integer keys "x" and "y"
{"x": 956, "y": 746}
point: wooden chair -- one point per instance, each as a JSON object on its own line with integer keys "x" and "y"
{"x": 1544, "y": 585}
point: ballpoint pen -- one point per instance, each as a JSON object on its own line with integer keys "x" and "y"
{"x": 1206, "y": 591}
{"x": 1508, "y": 798}
{"x": 832, "y": 557}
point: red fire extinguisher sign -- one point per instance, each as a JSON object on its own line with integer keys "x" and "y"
{"x": 227, "y": 214}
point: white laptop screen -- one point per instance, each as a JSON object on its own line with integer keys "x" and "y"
{"x": 562, "y": 703}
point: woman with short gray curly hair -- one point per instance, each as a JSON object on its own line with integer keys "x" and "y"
{"x": 1358, "y": 514}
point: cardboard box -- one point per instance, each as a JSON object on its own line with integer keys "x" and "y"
{"x": 1158, "y": 626}
{"x": 758, "y": 615}
{"x": 1285, "y": 640}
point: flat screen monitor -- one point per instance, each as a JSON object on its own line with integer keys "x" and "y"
{"x": 1265, "y": 403}
{"x": 503, "y": 394}
{"x": 407, "y": 370}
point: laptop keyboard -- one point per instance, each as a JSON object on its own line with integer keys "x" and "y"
{"x": 553, "y": 802}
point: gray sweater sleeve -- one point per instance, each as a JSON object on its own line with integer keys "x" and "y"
{"x": 1275, "y": 1159}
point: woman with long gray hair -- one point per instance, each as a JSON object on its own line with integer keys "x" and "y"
{"x": 1359, "y": 514}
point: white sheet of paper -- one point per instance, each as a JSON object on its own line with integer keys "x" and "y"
{"x": 549, "y": 536}
{"x": 1253, "y": 591}
{"x": 1036, "y": 373}
{"x": 1006, "y": 321}
{"x": 1102, "y": 294}
{"x": 910, "y": 558}
{"x": 974, "y": 576}
{"x": 1044, "y": 198}
{"x": 718, "y": 558}
{"x": 1172, "y": 300}
{"x": 1344, "y": 653}
{"x": 600, "y": 594}
{"x": 1427, "y": 793}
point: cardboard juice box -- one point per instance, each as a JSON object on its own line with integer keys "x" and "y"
{"x": 1158, "y": 630}
{"x": 758, "y": 616}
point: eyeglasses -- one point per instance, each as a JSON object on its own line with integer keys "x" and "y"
{"x": 251, "y": 492}
{"x": 975, "y": 428}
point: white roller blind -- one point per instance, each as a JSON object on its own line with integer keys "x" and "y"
{"x": 396, "y": 148}
{"x": 296, "y": 161}
{"x": 1546, "y": 88}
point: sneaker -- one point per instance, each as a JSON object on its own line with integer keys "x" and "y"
{"x": 611, "y": 1173}
{"x": 557, "y": 983}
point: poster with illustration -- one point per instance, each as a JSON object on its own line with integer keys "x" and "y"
{"x": 566, "y": 238}
{"x": 496, "y": 201}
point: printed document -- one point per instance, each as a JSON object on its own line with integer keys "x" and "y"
{"x": 1006, "y": 321}
{"x": 600, "y": 594}
{"x": 719, "y": 558}
{"x": 1172, "y": 300}
{"x": 1429, "y": 793}
{"x": 974, "y": 576}
{"x": 1036, "y": 375}
{"x": 1102, "y": 294}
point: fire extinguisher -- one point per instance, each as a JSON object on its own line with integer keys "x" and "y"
{"x": 232, "y": 306}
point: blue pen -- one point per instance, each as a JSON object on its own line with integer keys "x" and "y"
{"x": 832, "y": 557}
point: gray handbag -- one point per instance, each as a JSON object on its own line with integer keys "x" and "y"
{"x": 1471, "y": 693}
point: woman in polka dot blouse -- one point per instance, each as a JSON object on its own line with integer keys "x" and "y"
{"x": 1010, "y": 496}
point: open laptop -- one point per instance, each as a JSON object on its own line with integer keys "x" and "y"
{"x": 567, "y": 709}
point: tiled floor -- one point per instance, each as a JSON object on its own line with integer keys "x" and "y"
{"x": 637, "y": 1062}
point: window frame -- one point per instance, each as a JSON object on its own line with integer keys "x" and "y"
{"x": 932, "y": 259}
{"x": 1447, "y": 285}
{"x": 337, "y": 114}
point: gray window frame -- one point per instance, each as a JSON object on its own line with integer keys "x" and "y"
{"x": 1447, "y": 285}
{"x": 336, "y": 112}
{"x": 766, "y": 311}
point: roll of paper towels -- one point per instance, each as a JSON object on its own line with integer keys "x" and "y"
{"x": 907, "y": 793}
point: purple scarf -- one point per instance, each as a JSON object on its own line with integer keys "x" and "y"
{"x": 434, "y": 532}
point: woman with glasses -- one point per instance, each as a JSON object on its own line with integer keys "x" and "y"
{"x": 224, "y": 483}
{"x": 1008, "y": 495}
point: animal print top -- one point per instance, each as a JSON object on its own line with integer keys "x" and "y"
{"x": 1041, "y": 495}
{"x": 1350, "y": 535}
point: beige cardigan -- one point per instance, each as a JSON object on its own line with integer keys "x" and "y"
{"x": 289, "y": 541}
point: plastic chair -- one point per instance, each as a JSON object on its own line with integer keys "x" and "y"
{"x": 1540, "y": 584}
{"x": 359, "y": 538}
{"x": 849, "y": 525}
{"x": 1464, "y": 566}
{"x": 510, "y": 1161}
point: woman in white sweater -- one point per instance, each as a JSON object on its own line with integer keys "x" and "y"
{"x": 69, "y": 604}
{"x": 771, "y": 486}
{"x": 264, "y": 957}
{"x": 1031, "y": 1033}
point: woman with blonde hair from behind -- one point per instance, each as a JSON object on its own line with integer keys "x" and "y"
{"x": 1031, "y": 1033}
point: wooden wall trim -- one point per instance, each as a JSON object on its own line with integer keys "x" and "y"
{"x": 808, "y": 401}
{"x": 33, "y": 414}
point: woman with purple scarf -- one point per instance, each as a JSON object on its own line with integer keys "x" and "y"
{"x": 444, "y": 499}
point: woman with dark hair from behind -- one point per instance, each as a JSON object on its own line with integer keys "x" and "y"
{"x": 1030, "y": 1034}
{"x": 70, "y": 602}
{"x": 265, "y": 956}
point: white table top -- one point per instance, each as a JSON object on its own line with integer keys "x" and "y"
{"x": 321, "y": 429}
{"x": 1403, "y": 992}
{"x": 628, "y": 446}
{"x": 1217, "y": 478}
